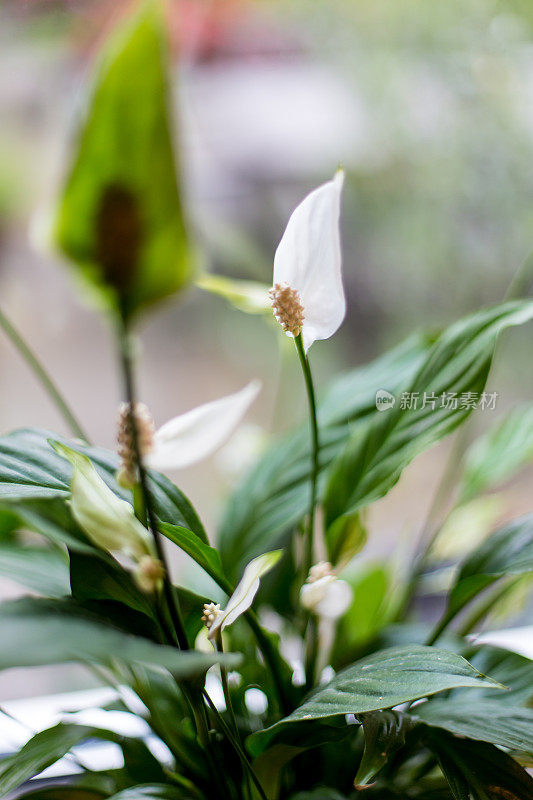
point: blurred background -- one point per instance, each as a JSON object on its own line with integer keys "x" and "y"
{"x": 428, "y": 106}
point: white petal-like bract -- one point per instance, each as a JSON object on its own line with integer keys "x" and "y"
{"x": 328, "y": 597}
{"x": 243, "y": 596}
{"x": 107, "y": 520}
{"x": 308, "y": 259}
{"x": 196, "y": 434}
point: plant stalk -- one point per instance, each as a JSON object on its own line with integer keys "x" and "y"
{"x": 43, "y": 377}
{"x": 129, "y": 388}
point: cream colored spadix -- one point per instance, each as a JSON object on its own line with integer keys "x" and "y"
{"x": 243, "y": 596}
{"x": 308, "y": 260}
{"x": 107, "y": 520}
{"x": 197, "y": 434}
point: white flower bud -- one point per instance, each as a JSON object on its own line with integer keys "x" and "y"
{"x": 211, "y": 612}
{"x": 324, "y": 594}
{"x": 149, "y": 574}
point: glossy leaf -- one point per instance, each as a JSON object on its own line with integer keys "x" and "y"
{"x": 486, "y": 720}
{"x": 495, "y": 456}
{"x": 274, "y": 496}
{"x": 459, "y": 363}
{"x": 119, "y": 217}
{"x": 150, "y": 792}
{"x": 30, "y": 469}
{"x": 36, "y": 632}
{"x": 383, "y": 680}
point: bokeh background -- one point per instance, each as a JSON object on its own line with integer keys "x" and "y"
{"x": 428, "y": 106}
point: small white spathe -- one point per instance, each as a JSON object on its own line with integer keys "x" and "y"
{"x": 308, "y": 259}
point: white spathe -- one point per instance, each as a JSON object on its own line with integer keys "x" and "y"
{"x": 108, "y": 521}
{"x": 308, "y": 259}
{"x": 243, "y": 596}
{"x": 198, "y": 433}
{"x": 327, "y": 597}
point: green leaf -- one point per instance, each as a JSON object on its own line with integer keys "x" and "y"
{"x": 274, "y": 497}
{"x": 100, "y": 577}
{"x": 383, "y": 680}
{"x": 459, "y": 362}
{"x": 345, "y": 538}
{"x": 204, "y": 555}
{"x": 31, "y": 470}
{"x": 385, "y": 733}
{"x": 495, "y": 456}
{"x": 119, "y": 217}
{"x": 150, "y": 792}
{"x": 486, "y": 720}
{"x": 35, "y": 632}
{"x": 480, "y": 771}
{"x": 40, "y": 752}
{"x": 41, "y": 569}
{"x": 508, "y": 551}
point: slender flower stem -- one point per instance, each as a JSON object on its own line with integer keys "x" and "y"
{"x": 129, "y": 387}
{"x": 236, "y": 745}
{"x": 43, "y": 376}
{"x": 309, "y": 542}
{"x": 219, "y": 647}
{"x": 308, "y": 556}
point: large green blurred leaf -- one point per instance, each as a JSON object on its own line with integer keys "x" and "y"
{"x": 508, "y": 551}
{"x": 459, "y": 363}
{"x": 274, "y": 497}
{"x": 119, "y": 217}
{"x": 486, "y": 720}
{"x": 50, "y": 745}
{"x": 35, "y": 632}
{"x": 495, "y": 456}
{"x": 41, "y": 569}
{"x": 383, "y": 680}
{"x": 151, "y": 792}
{"x": 31, "y": 470}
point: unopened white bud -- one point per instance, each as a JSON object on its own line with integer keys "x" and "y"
{"x": 211, "y": 612}
{"x": 127, "y": 475}
{"x": 149, "y": 574}
{"x": 287, "y": 308}
{"x": 324, "y": 594}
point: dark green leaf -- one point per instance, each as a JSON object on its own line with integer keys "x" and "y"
{"x": 120, "y": 213}
{"x": 383, "y": 680}
{"x": 495, "y": 456}
{"x": 38, "y": 568}
{"x": 35, "y": 632}
{"x": 459, "y": 362}
{"x": 385, "y": 733}
{"x": 204, "y": 555}
{"x": 30, "y": 469}
{"x": 480, "y": 771}
{"x": 274, "y": 497}
{"x": 100, "y": 577}
{"x": 487, "y": 720}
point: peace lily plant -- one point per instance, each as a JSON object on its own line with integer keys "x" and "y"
{"x": 302, "y": 670}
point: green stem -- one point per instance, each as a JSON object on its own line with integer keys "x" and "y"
{"x": 219, "y": 647}
{"x": 43, "y": 376}
{"x": 308, "y": 556}
{"x": 129, "y": 387}
{"x": 309, "y": 542}
{"x": 236, "y": 746}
